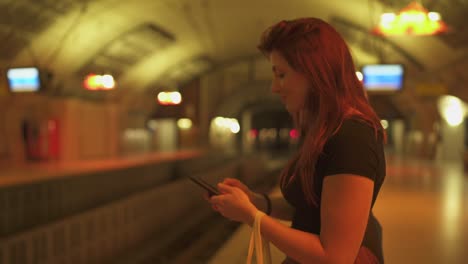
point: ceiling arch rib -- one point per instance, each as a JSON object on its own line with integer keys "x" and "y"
{"x": 186, "y": 71}
{"x": 22, "y": 20}
{"x": 118, "y": 55}
{"x": 255, "y": 92}
{"x": 377, "y": 45}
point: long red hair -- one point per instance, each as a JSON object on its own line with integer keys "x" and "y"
{"x": 315, "y": 49}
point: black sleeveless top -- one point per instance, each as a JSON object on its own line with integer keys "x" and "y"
{"x": 354, "y": 149}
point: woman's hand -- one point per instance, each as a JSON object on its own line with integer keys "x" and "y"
{"x": 234, "y": 204}
{"x": 236, "y": 183}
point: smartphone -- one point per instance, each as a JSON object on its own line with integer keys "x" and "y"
{"x": 210, "y": 188}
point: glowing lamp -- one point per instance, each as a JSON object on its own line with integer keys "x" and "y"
{"x": 169, "y": 98}
{"x": 452, "y": 109}
{"x": 184, "y": 123}
{"x": 234, "y": 126}
{"x": 107, "y": 82}
{"x": 219, "y": 121}
{"x": 412, "y": 20}
{"x": 94, "y": 82}
{"x": 360, "y": 76}
{"x": 384, "y": 123}
{"x": 229, "y": 124}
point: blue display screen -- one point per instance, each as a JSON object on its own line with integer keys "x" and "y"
{"x": 24, "y": 79}
{"x": 383, "y": 77}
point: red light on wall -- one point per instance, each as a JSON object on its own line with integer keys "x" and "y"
{"x": 253, "y": 133}
{"x": 169, "y": 98}
{"x": 94, "y": 82}
{"x": 294, "y": 134}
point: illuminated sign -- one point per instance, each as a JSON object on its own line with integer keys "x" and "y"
{"x": 23, "y": 79}
{"x": 383, "y": 77}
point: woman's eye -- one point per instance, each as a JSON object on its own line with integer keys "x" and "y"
{"x": 280, "y": 75}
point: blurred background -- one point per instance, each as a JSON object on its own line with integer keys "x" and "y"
{"x": 106, "y": 106}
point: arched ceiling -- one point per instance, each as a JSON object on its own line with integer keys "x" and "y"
{"x": 166, "y": 42}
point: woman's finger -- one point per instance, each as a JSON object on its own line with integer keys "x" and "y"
{"x": 236, "y": 183}
{"x": 216, "y": 199}
{"x": 232, "y": 181}
{"x": 224, "y": 188}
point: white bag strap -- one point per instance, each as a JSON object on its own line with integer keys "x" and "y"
{"x": 262, "y": 247}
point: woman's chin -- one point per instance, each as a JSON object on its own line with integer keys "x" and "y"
{"x": 291, "y": 110}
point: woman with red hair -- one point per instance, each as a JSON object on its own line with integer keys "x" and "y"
{"x": 330, "y": 186}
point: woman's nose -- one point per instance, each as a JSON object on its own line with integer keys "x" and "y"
{"x": 275, "y": 88}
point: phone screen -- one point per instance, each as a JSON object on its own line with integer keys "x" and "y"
{"x": 205, "y": 185}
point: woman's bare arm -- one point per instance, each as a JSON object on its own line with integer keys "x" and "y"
{"x": 346, "y": 202}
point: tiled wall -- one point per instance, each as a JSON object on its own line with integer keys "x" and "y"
{"x": 25, "y": 206}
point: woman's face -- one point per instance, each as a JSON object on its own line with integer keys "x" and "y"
{"x": 289, "y": 84}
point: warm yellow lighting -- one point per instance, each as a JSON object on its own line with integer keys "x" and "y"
{"x": 387, "y": 17}
{"x": 234, "y": 125}
{"x": 452, "y": 202}
{"x": 230, "y": 124}
{"x": 453, "y": 115}
{"x": 219, "y": 121}
{"x": 434, "y": 16}
{"x": 412, "y": 20}
{"x": 413, "y": 16}
{"x": 184, "y": 123}
{"x": 176, "y": 97}
{"x": 384, "y": 123}
{"x": 152, "y": 124}
{"x": 226, "y": 123}
{"x": 452, "y": 110}
{"x": 359, "y": 76}
{"x": 162, "y": 96}
{"x": 169, "y": 98}
{"x": 95, "y": 82}
{"x": 107, "y": 81}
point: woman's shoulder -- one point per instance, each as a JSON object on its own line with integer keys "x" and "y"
{"x": 354, "y": 127}
{"x": 353, "y": 131}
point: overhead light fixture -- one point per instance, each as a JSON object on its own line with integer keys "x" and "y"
{"x": 452, "y": 109}
{"x": 169, "y": 98}
{"x": 94, "y": 82}
{"x": 224, "y": 123}
{"x": 412, "y": 20}
{"x": 184, "y": 123}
